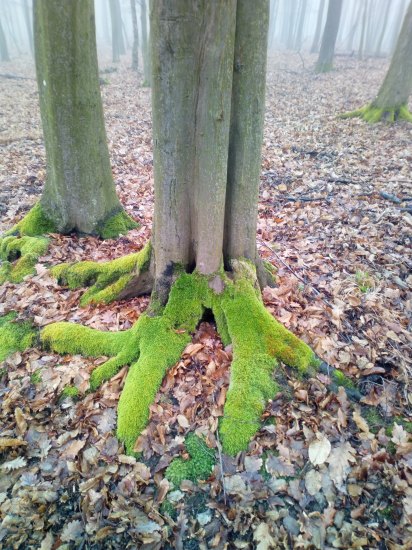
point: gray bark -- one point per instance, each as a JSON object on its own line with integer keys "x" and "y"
{"x": 397, "y": 86}
{"x": 330, "y": 33}
{"x": 207, "y": 129}
{"x": 135, "y": 48}
{"x": 4, "y": 51}
{"x": 319, "y": 21}
{"x": 79, "y": 193}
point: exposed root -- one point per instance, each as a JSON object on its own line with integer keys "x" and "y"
{"x": 117, "y": 224}
{"x": 25, "y": 242}
{"x": 114, "y": 280}
{"x": 156, "y": 343}
{"x": 373, "y": 114}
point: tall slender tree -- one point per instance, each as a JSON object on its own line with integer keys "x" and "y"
{"x": 145, "y": 45}
{"x": 4, "y": 50}
{"x": 318, "y": 30}
{"x": 391, "y": 103}
{"x": 79, "y": 193}
{"x": 118, "y": 47}
{"x": 330, "y": 33}
{"x": 135, "y": 48}
{"x": 29, "y": 24}
{"x": 209, "y": 61}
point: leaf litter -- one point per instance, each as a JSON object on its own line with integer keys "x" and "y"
{"x": 321, "y": 473}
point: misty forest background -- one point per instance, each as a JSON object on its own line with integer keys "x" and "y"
{"x": 334, "y": 219}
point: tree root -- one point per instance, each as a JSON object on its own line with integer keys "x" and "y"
{"x": 155, "y": 343}
{"x": 118, "y": 279}
{"x": 25, "y": 242}
{"x": 373, "y": 114}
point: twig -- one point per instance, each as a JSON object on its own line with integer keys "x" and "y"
{"x": 15, "y": 76}
{"x": 221, "y": 466}
{"x": 390, "y": 197}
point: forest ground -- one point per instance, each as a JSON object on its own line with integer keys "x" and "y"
{"x": 335, "y": 219}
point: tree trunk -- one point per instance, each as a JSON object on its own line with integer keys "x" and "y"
{"x": 299, "y": 30}
{"x": 79, "y": 193}
{"x": 363, "y": 32}
{"x": 397, "y": 86}
{"x": 316, "y": 38}
{"x": 145, "y": 45}
{"x": 330, "y": 33}
{"x": 29, "y": 24}
{"x": 355, "y": 24}
{"x": 135, "y": 49}
{"x": 4, "y": 51}
{"x": 118, "y": 48}
{"x": 397, "y": 26}
{"x": 383, "y": 30}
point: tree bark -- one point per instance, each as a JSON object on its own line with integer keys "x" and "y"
{"x": 207, "y": 137}
{"x": 319, "y": 21}
{"x": 397, "y": 86}
{"x": 79, "y": 193}
{"x": 118, "y": 48}
{"x": 330, "y": 33}
{"x": 135, "y": 48}
{"x": 4, "y": 51}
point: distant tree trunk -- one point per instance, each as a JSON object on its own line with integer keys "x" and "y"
{"x": 330, "y": 33}
{"x": 316, "y": 38}
{"x": 356, "y": 17}
{"x": 145, "y": 45}
{"x": 301, "y": 22}
{"x": 79, "y": 193}
{"x": 29, "y": 24}
{"x": 118, "y": 48}
{"x": 135, "y": 48}
{"x": 383, "y": 29}
{"x": 4, "y": 51}
{"x": 292, "y": 25}
{"x": 274, "y": 5}
{"x": 363, "y": 31}
{"x": 397, "y": 26}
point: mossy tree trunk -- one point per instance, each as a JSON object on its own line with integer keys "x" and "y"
{"x": 391, "y": 103}
{"x": 79, "y": 192}
{"x": 4, "y": 51}
{"x": 118, "y": 48}
{"x": 330, "y": 33}
{"x": 209, "y": 63}
{"x": 135, "y": 48}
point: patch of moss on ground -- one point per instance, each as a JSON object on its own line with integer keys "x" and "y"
{"x": 199, "y": 466}
{"x": 36, "y": 377}
{"x": 14, "y": 335}
{"x": 168, "y": 509}
{"x": 69, "y": 392}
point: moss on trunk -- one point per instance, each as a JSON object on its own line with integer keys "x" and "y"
{"x": 373, "y": 114}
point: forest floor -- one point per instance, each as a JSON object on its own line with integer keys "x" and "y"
{"x": 335, "y": 219}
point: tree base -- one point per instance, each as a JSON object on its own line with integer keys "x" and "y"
{"x": 373, "y": 114}
{"x": 155, "y": 343}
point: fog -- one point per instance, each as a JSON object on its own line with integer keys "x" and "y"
{"x": 367, "y": 27}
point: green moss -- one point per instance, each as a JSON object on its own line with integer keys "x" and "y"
{"x": 14, "y": 335}
{"x": 341, "y": 379}
{"x": 198, "y": 466}
{"x": 373, "y": 114}
{"x": 36, "y": 377}
{"x": 156, "y": 342}
{"x": 117, "y": 224}
{"x": 24, "y": 243}
{"x": 168, "y": 509}
{"x": 364, "y": 281}
{"x": 106, "y": 279}
{"x": 3, "y": 372}
{"x": 70, "y": 392}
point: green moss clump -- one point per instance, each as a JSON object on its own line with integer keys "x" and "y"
{"x": 70, "y": 392}
{"x": 198, "y": 466}
{"x": 24, "y": 242}
{"x": 156, "y": 342}
{"x": 117, "y": 224}
{"x": 373, "y": 114}
{"x": 341, "y": 379}
{"x": 14, "y": 335}
{"x": 36, "y": 377}
{"x": 106, "y": 279}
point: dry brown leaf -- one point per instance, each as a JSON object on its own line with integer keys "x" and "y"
{"x": 319, "y": 449}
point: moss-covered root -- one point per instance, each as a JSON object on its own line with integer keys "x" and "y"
{"x": 198, "y": 466}
{"x": 373, "y": 114}
{"x": 117, "y": 224}
{"x": 15, "y": 335}
{"x": 108, "y": 281}
{"x": 23, "y": 244}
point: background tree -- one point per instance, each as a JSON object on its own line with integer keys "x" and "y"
{"x": 118, "y": 47}
{"x": 79, "y": 193}
{"x": 391, "y": 103}
{"x": 4, "y": 51}
{"x": 209, "y": 61}
{"x": 29, "y": 24}
{"x": 330, "y": 33}
{"x": 135, "y": 48}
{"x": 145, "y": 45}
{"x": 319, "y": 21}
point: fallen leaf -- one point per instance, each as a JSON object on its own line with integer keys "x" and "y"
{"x": 319, "y": 449}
